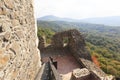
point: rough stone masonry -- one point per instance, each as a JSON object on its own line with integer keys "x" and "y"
{"x": 19, "y": 56}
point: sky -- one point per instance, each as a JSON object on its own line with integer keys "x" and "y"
{"x": 77, "y": 9}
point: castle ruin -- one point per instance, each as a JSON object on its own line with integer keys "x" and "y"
{"x": 73, "y": 58}
{"x": 19, "y": 55}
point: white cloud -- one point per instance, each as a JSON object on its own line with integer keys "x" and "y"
{"x": 77, "y": 8}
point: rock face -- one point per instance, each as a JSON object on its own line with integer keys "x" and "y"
{"x": 19, "y": 56}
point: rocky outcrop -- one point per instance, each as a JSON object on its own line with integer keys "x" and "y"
{"x": 19, "y": 56}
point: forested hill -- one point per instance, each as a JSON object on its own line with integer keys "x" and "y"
{"x": 110, "y": 20}
{"x": 109, "y": 31}
{"x": 103, "y": 42}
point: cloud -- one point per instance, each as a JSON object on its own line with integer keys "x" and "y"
{"x": 77, "y": 8}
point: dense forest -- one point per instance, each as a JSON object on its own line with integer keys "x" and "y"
{"x": 103, "y": 42}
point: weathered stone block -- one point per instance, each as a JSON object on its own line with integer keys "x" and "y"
{"x": 6, "y": 26}
{"x": 4, "y": 58}
{"x": 7, "y": 35}
{"x": 9, "y": 4}
{"x": 1, "y": 74}
{"x": 20, "y": 34}
{"x": 3, "y": 11}
{"x": 15, "y": 47}
{"x": 80, "y": 74}
{"x": 15, "y": 22}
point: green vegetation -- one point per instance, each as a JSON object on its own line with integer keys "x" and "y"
{"x": 48, "y": 33}
{"x": 109, "y": 60}
{"x": 102, "y": 41}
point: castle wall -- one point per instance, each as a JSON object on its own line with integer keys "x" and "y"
{"x": 78, "y": 49}
{"x": 76, "y": 43}
{"x": 19, "y": 56}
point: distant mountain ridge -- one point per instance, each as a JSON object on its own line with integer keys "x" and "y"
{"x": 62, "y": 25}
{"x": 111, "y": 21}
{"x": 54, "y": 18}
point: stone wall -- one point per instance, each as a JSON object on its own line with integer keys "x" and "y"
{"x": 81, "y": 74}
{"x": 76, "y": 43}
{"x": 19, "y": 56}
{"x": 42, "y": 43}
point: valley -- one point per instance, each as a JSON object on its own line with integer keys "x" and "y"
{"x": 102, "y": 41}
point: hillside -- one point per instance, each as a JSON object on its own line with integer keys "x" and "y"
{"x": 103, "y": 42}
{"x": 102, "y": 30}
{"x": 54, "y": 18}
{"x": 111, "y": 20}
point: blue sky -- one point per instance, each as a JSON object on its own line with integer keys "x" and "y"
{"x": 77, "y": 9}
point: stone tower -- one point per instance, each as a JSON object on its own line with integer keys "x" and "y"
{"x": 19, "y": 56}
